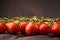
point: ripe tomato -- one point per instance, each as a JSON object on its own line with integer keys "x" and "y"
{"x": 31, "y": 28}
{"x": 43, "y": 29}
{"x": 56, "y": 28}
{"x": 12, "y": 27}
{"x": 2, "y": 27}
{"x": 22, "y": 27}
{"x": 49, "y": 24}
{"x": 38, "y": 23}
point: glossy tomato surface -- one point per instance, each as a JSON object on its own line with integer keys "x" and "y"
{"x": 43, "y": 29}
{"x": 56, "y": 28}
{"x": 12, "y": 27}
{"x": 22, "y": 27}
{"x": 31, "y": 28}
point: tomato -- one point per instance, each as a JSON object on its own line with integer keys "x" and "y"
{"x": 2, "y": 28}
{"x": 38, "y": 23}
{"x": 31, "y": 28}
{"x": 12, "y": 27}
{"x": 22, "y": 27}
{"x": 56, "y": 28}
{"x": 43, "y": 29}
{"x": 49, "y": 24}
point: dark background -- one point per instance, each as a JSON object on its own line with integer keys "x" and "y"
{"x": 50, "y": 8}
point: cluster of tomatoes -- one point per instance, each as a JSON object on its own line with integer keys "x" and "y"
{"x": 30, "y": 25}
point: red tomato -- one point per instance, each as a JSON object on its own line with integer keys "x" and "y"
{"x": 43, "y": 29}
{"x": 22, "y": 27}
{"x": 2, "y": 27}
{"x": 38, "y": 23}
{"x": 12, "y": 27}
{"x": 56, "y": 28}
{"x": 48, "y": 23}
{"x": 31, "y": 28}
